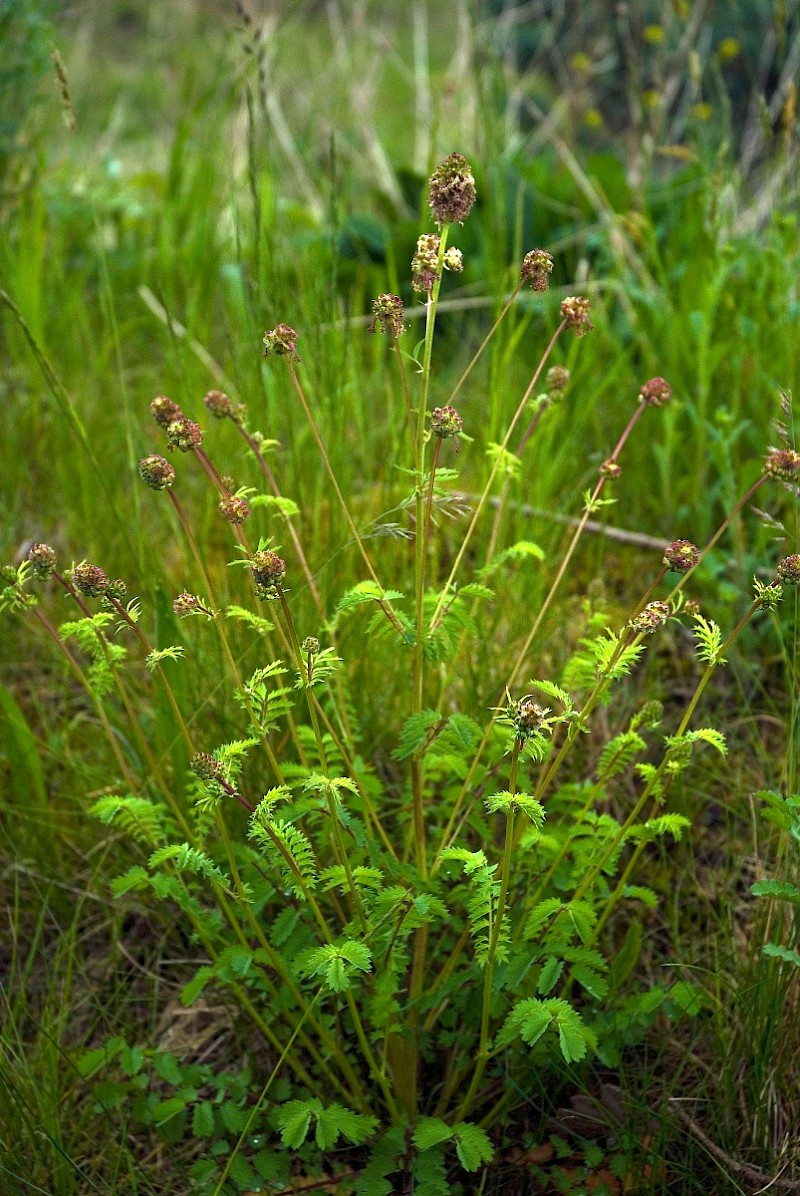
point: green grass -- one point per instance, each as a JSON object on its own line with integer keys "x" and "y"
{"x": 147, "y": 252}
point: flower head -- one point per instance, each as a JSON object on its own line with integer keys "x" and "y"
{"x": 268, "y": 572}
{"x": 575, "y": 313}
{"x": 206, "y": 767}
{"x": 654, "y": 615}
{"x": 184, "y": 434}
{"x": 446, "y": 422}
{"x": 656, "y": 392}
{"x": 767, "y": 596}
{"x": 789, "y": 569}
{"x": 387, "y": 313}
{"x": 536, "y": 269}
{"x": 425, "y": 263}
{"x": 452, "y": 190}
{"x": 783, "y": 464}
{"x": 282, "y": 341}
{"x": 157, "y": 472}
{"x": 557, "y": 378}
{"x": 610, "y": 469}
{"x": 453, "y": 260}
{"x": 234, "y": 509}
{"x": 43, "y": 561}
{"x": 681, "y": 556}
{"x": 90, "y": 580}
{"x": 310, "y": 645}
{"x": 218, "y": 404}
{"x": 528, "y": 717}
{"x": 116, "y": 589}
{"x": 165, "y": 411}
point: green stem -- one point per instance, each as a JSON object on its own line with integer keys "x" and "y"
{"x": 484, "y": 496}
{"x": 494, "y": 939}
{"x": 485, "y": 341}
{"x": 467, "y": 785}
{"x": 223, "y": 638}
{"x": 385, "y": 606}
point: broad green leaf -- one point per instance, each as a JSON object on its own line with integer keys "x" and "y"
{"x": 293, "y": 1120}
{"x": 473, "y": 1146}
{"x": 430, "y": 1131}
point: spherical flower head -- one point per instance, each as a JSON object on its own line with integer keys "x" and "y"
{"x": 282, "y": 341}
{"x": 165, "y": 411}
{"x": 557, "y": 378}
{"x": 610, "y": 469}
{"x": 219, "y": 405}
{"x": 90, "y": 580}
{"x": 185, "y": 604}
{"x": 692, "y": 606}
{"x": 234, "y": 509}
{"x": 310, "y": 645}
{"x": 681, "y": 556}
{"x": 783, "y": 464}
{"x": 425, "y": 263}
{"x": 116, "y": 589}
{"x": 789, "y": 569}
{"x": 184, "y": 434}
{"x": 387, "y": 314}
{"x": 453, "y": 260}
{"x": 575, "y": 313}
{"x": 452, "y": 190}
{"x": 268, "y": 572}
{"x": 156, "y": 472}
{"x": 205, "y": 767}
{"x": 767, "y": 596}
{"x": 528, "y": 717}
{"x": 536, "y": 269}
{"x": 654, "y": 615}
{"x": 446, "y": 422}
{"x": 656, "y": 392}
{"x": 43, "y": 561}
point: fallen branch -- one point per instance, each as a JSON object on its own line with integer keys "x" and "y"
{"x": 748, "y": 1173}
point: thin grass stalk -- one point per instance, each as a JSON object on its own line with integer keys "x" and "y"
{"x": 482, "y": 500}
{"x": 384, "y": 605}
